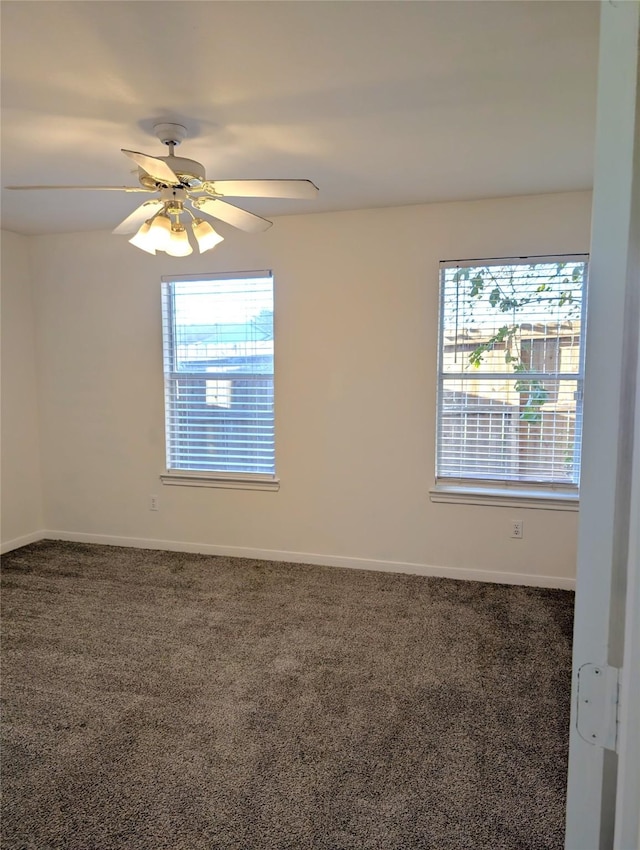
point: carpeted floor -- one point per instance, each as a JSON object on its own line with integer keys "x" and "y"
{"x": 158, "y": 700}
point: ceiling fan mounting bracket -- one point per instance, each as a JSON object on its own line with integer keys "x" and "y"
{"x": 170, "y": 134}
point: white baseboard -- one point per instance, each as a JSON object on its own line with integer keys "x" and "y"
{"x": 491, "y": 576}
{"x": 17, "y": 542}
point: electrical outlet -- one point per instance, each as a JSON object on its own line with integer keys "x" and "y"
{"x": 153, "y": 503}
{"x": 517, "y": 529}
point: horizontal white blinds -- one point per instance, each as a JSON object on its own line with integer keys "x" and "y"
{"x": 218, "y": 368}
{"x": 511, "y": 371}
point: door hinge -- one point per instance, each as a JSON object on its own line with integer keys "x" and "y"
{"x": 598, "y": 705}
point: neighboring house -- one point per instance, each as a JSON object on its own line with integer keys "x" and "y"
{"x": 227, "y": 390}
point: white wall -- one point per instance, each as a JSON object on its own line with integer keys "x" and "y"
{"x": 356, "y": 339}
{"x": 21, "y": 500}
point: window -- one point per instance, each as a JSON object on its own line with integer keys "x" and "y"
{"x": 218, "y": 373}
{"x": 510, "y": 378}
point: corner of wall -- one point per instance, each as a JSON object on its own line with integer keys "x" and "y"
{"x": 20, "y": 451}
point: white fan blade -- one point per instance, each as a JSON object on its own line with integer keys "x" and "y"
{"x": 90, "y": 188}
{"x": 262, "y": 188}
{"x": 138, "y": 216}
{"x": 156, "y": 168}
{"x": 233, "y": 215}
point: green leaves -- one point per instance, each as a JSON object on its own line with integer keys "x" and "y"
{"x": 546, "y": 287}
{"x": 507, "y": 304}
{"x": 536, "y": 394}
{"x": 505, "y": 333}
{"x": 477, "y": 285}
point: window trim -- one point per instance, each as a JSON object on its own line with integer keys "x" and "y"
{"x": 212, "y": 478}
{"x": 501, "y": 494}
{"x": 505, "y": 493}
{"x": 227, "y": 481}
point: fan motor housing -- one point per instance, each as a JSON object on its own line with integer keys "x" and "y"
{"x": 188, "y": 170}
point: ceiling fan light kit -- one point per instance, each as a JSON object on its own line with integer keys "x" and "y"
{"x": 179, "y": 245}
{"x": 159, "y": 233}
{"x": 177, "y": 181}
{"x": 206, "y": 236}
{"x": 142, "y": 239}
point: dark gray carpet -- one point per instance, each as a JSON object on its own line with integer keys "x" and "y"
{"x": 160, "y": 700}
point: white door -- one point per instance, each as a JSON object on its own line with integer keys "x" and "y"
{"x": 602, "y": 801}
{"x": 627, "y": 818}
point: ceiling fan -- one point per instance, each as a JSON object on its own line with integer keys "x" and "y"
{"x": 180, "y": 186}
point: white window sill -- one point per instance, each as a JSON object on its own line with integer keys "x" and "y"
{"x": 549, "y": 500}
{"x": 228, "y": 482}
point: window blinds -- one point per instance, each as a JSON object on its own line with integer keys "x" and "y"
{"x": 218, "y": 370}
{"x": 511, "y": 371}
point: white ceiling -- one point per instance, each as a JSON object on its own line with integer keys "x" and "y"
{"x": 379, "y": 103}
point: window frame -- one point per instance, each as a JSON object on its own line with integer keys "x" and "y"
{"x": 501, "y": 492}
{"x": 206, "y": 477}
